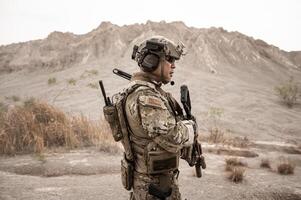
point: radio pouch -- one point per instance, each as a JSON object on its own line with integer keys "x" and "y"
{"x": 111, "y": 116}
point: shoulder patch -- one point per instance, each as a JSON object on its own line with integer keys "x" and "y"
{"x": 152, "y": 101}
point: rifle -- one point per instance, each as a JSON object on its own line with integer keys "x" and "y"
{"x": 128, "y": 76}
{"x": 196, "y": 159}
{"x": 122, "y": 74}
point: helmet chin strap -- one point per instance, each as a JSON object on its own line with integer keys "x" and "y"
{"x": 162, "y": 71}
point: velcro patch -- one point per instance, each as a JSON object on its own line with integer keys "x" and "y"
{"x": 152, "y": 102}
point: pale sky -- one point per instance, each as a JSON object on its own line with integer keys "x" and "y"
{"x": 278, "y": 22}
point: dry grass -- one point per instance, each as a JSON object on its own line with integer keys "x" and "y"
{"x": 92, "y": 71}
{"x": 37, "y": 125}
{"x": 237, "y": 152}
{"x": 265, "y": 163}
{"x": 71, "y": 81}
{"x": 233, "y": 162}
{"x": 93, "y": 85}
{"x": 288, "y": 92}
{"x": 13, "y": 98}
{"x": 89, "y": 73}
{"x": 2, "y": 107}
{"x": 292, "y": 150}
{"x": 236, "y": 174}
{"x": 41, "y": 157}
{"x": 285, "y": 166}
{"x": 216, "y": 136}
{"x": 236, "y": 169}
{"x": 51, "y": 81}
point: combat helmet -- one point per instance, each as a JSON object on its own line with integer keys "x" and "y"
{"x": 149, "y": 53}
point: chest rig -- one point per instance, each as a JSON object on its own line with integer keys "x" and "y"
{"x": 141, "y": 153}
{"x": 149, "y": 156}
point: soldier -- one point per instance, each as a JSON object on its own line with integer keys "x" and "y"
{"x": 157, "y": 130}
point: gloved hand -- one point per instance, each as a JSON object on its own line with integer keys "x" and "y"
{"x": 186, "y": 153}
{"x": 188, "y": 127}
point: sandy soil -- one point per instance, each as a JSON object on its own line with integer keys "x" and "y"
{"x": 91, "y": 174}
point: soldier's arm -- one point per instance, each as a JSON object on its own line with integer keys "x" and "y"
{"x": 161, "y": 125}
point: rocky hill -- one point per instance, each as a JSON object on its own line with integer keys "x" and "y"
{"x": 213, "y": 49}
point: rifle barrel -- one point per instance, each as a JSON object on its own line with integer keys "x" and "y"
{"x": 128, "y": 76}
{"x": 122, "y": 74}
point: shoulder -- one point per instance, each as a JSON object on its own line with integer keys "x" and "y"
{"x": 145, "y": 94}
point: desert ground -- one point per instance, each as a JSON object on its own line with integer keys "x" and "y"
{"x": 91, "y": 174}
{"x": 225, "y": 71}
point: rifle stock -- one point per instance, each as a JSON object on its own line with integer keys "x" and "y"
{"x": 122, "y": 74}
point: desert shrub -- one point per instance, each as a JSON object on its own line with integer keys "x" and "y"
{"x": 265, "y": 163}
{"x": 235, "y": 152}
{"x": 285, "y": 166}
{"x": 233, "y": 162}
{"x": 88, "y": 73}
{"x": 217, "y": 136}
{"x": 292, "y": 150}
{"x": 241, "y": 142}
{"x": 288, "y": 92}
{"x": 215, "y": 114}
{"x": 14, "y": 98}
{"x": 2, "y": 107}
{"x": 51, "y": 81}
{"x": 71, "y": 81}
{"x": 236, "y": 175}
{"x": 93, "y": 85}
{"x": 37, "y": 125}
{"x": 92, "y": 72}
{"x": 41, "y": 157}
{"x": 235, "y": 168}
{"x": 29, "y": 102}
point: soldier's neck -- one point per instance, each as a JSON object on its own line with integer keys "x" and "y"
{"x": 145, "y": 76}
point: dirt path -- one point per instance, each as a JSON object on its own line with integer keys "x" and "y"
{"x": 90, "y": 174}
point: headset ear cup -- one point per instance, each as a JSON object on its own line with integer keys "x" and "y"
{"x": 150, "y": 62}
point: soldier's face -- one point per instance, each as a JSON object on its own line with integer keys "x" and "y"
{"x": 169, "y": 67}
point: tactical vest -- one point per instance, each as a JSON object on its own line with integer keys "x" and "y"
{"x": 142, "y": 154}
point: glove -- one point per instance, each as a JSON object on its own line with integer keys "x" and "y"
{"x": 186, "y": 153}
{"x": 188, "y": 127}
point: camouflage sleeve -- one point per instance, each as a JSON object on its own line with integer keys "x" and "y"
{"x": 160, "y": 124}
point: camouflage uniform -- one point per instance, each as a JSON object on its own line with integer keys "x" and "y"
{"x": 150, "y": 125}
{"x": 157, "y": 131}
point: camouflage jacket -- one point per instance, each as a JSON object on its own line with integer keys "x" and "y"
{"x": 156, "y": 125}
